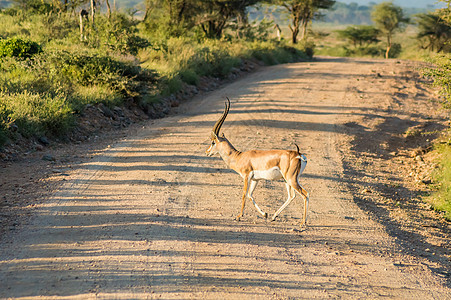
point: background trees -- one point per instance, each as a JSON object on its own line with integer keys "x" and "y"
{"x": 388, "y": 18}
{"x": 302, "y": 12}
{"x": 434, "y": 32}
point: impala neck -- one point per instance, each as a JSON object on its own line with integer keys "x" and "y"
{"x": 227, "y": 151}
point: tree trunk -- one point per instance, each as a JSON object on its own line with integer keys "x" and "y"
{"x": 108, "y": 9}
{"x": 81, "y": 28}
{"x": 388, "y": 46}
{"x": 295, "y": 29}
{"x": 93, "y": 11}
{"x": 294, "y": 35}
{"x": 303, "y": 32}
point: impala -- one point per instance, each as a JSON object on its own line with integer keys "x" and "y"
{"x": 255, "y": 165}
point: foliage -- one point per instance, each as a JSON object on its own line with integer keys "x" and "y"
{"x": 118, "y": 33}
{"x": 210, "y": 17}
{"x": 388, "y": 18}
{"x": 359, "y": 14}
{"x": 441, "y": 200}
{"x": 20, "y": 48}
{"x": 434, "y": 32}
{"x": 35, "y": 113}
{"x": 41, "y": 95}
{"x": 186, "y": 60}
{"x": 440, "y": 72}
{"x": 113, "y": 61}
{"x": 360, "y": 36}
{"x": 302, "y": 12}
{"x": 23, "y": 7}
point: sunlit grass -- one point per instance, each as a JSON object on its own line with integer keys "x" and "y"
{"x": 441, "y": 199}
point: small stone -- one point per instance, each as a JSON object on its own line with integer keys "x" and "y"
{"x": 43, "y": 140}
{"x": 48, "y": 157}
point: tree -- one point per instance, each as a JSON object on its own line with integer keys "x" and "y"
{"x": 441, "y": 71}
{"x": 302, "y": 12}
{"x": 172, "y": 17}
{"x": 360, "y": 36}
{"x": 211, "y": 16}
{"x": 214, "y": 15}
{"x": 436, "y": 32}
{"x": 388, "y": 18}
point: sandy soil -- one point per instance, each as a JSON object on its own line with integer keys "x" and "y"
{"x": 150, "y": 216}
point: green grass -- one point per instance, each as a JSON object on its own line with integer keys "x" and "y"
{"x": 329, "y": 43}
{"x": 181, "y": 60}
{"x": 441, "y": 199}
{"x": 41, "y": 92}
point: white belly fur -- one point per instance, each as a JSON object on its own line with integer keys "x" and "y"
{"x": 271, "y": 174}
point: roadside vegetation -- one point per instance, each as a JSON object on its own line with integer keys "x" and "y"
{"x": 58, "y": 57}
{"x": 441, "y": 75}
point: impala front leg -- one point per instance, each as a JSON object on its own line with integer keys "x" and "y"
{"x": 243, "y": 203}
{"x": 252, "y": 185}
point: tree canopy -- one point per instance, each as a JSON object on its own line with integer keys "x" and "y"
{"x": 388, "y": 18}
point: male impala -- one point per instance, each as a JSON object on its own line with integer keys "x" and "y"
{"x": 255, "y": 165}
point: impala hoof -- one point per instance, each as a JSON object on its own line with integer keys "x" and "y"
{"x": 265, "y": 215}
{"x": 237, "y": 218}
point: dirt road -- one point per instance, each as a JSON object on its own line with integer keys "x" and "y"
{"x": 153, "y": 217}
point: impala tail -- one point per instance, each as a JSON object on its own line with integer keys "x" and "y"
{"x": 303, "y": 160}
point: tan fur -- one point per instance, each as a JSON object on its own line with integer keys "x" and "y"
{"x": 244, "y": 163}
{"x": 255, "y": 165}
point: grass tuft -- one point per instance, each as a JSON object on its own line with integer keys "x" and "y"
{"x": 441, "y": 199}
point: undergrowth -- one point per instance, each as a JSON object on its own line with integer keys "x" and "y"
{"x": 441, "y": 199}
{"x": 49, "y": 72}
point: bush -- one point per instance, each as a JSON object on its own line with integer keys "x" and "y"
{"x": 440, "y": 72}
{"x": 189, "y": 76}
{"x": 119, "y": 33}
{"x": 395, "y": 50}
{"x": 91, "y": 69}
{"x": 441, "y": 200}
{"x": 34, "y": 113}
{"x": 20, "y": 48}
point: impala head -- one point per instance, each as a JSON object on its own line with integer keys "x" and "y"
{"x": 215, "y": 139}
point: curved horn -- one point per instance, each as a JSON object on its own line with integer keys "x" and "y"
{"x": 297, "y": 148}
{"x": 218, "y": 124}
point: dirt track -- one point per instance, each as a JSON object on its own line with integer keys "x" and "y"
{"x": 153, "y": 217}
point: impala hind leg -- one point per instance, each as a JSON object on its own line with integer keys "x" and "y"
{"x": 289, "y": 199}
{"x": 252, "y": 186}
{"x": 304, "y": 195}
{"x": 243, "y": 202}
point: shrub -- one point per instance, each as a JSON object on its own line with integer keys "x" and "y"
{"x": 395, "y": 50}
{"x": 360, "y": 36}
{"x": 441, "y": 200}
{"x": 189, "y": 76}
{"x": 36, "y": 113}
{"x": 87, "y": 69}
{"x": 440, "y": 72}
{"x": 20, "y": 48}
{"x": 119, "y": 33}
